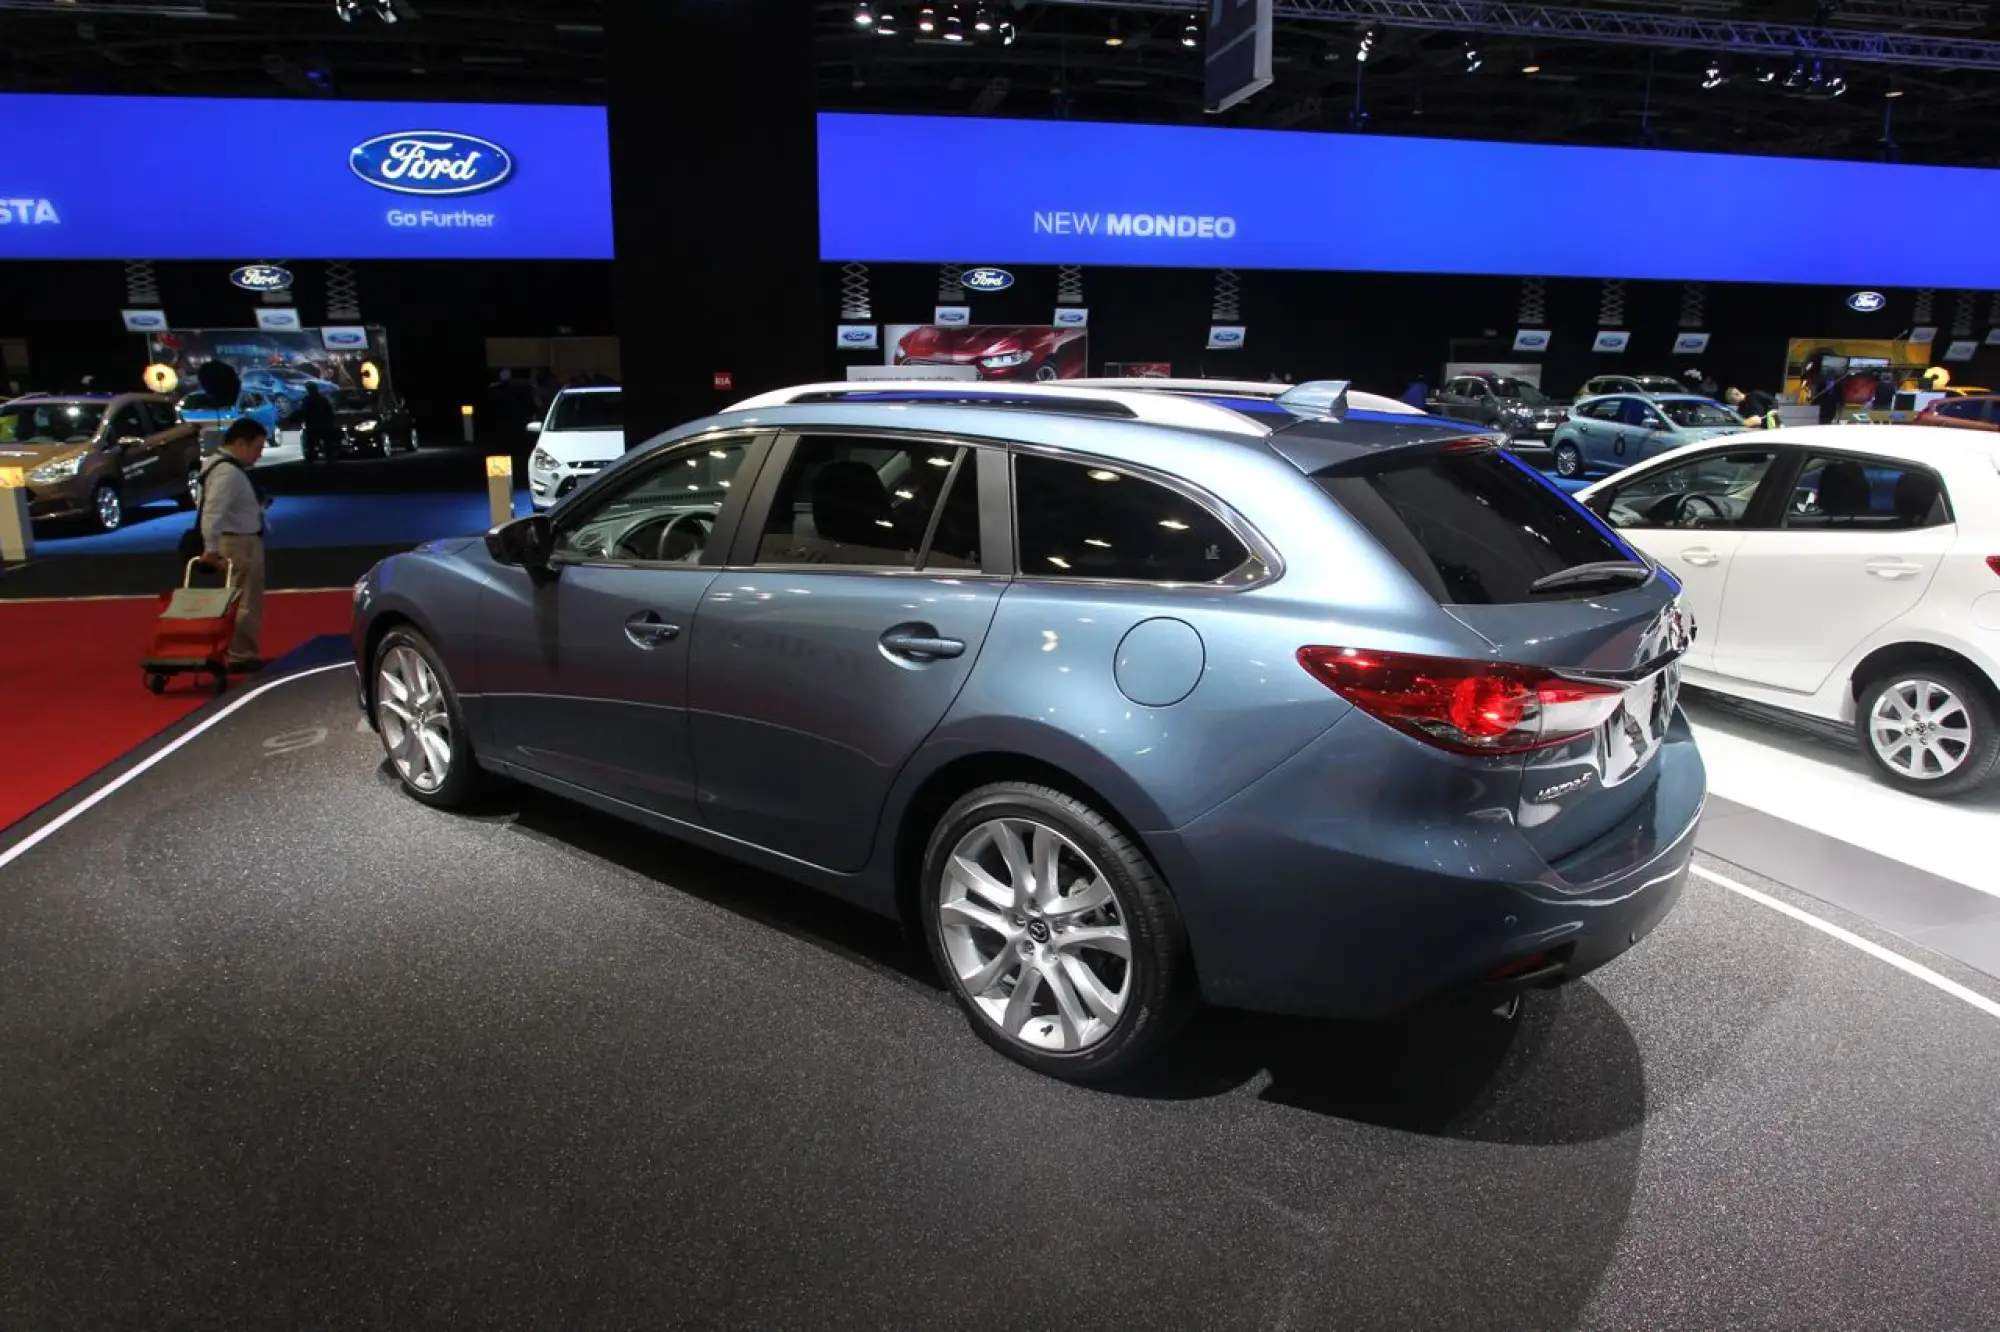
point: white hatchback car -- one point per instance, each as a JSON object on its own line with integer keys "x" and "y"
{"x": 1850, "y": 573}
{"x": 583, "y": 434}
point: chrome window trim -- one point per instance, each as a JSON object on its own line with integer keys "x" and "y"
{"x": 1265, "y": 565}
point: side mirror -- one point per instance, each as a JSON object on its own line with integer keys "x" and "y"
{"x": 526, "y": 542}
{"x": 534, "y": 427}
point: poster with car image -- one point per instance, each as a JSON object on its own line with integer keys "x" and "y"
{"x": 1039, "y": 352}
{"x": 275, "y": 365}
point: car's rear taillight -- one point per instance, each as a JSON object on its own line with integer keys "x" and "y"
{"x": 1993, "y": 563}
{"x": 1471, "y": 707}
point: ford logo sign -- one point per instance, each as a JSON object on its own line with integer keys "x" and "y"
{"x": 986, "y": 279}
{"x": 431, "y": 162}
{"x": 145, "y": 319}
{"x": 1227, "y": 335}
{"x": 1534, "y": 340}
{"x": 261, "y": 277}
{"x": 854, "y": 335}
{"x": 1867, "y": 301}
{"x": 345, "y": 338}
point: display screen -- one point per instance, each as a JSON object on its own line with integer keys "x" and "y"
{"x": 242, "y": 179}
{"x": 922, "y": 189}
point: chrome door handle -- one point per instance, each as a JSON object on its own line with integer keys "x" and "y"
{"x": 921, "y": 643}
{"x": 1894, "y": 568}
{"x": 648, "y": 630}
{"x": 1701, "y": 557}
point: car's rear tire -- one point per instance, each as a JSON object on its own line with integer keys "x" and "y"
{"x": 421, "y": 723}
{"x": 1569, "y": 461}
{"x": 1105, "y": 958}
{"x": 1928, "y": 730}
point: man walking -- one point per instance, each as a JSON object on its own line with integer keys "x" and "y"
{"x": 318, "y": 430}
{"x": 232, "y": 526}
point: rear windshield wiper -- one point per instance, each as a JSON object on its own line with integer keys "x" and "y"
{"x": 1601, "y": 571}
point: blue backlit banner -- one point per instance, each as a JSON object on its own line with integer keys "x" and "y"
{"x": 934, "y": 190}
{"x": 209, "y": 178}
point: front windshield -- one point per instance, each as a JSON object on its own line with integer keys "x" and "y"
{"x": 353, "y": 400}
{"x": 588, "y": 411}
{"x": 50, "y": 422}
{"x": 1659, "y": 384}
{"x": 204, "y": 402}
{"x": 1519, "y": 390}
{"x": 1699, "y": 414}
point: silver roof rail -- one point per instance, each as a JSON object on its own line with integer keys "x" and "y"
{"x": 1164, "y": 409}
{"x": 1245, "y": 388}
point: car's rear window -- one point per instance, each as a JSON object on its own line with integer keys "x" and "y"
{"x": 1474, "y": 527}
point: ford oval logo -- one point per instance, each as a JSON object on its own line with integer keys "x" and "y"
{"x": 145, "y": 319}
{"x": 1223, "y": 335}
{"x": 854, "y": 335}
{"x": 431, "y": 162}
{"x": 986, "y": 279}
{"x": 262, "y": 277}
{"x": 1867, "y": 301}
{"x": 343, "y": 338}
{"x": 1533, "y": 340}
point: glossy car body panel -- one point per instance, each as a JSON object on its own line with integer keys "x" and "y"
{"x": 1323, "y": 861}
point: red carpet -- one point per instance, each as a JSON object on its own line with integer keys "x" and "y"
{"x": 69, "y": 671}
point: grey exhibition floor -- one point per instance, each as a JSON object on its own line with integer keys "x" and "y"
{"x": 280, "y": 1048}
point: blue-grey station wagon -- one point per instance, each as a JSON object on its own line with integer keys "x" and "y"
{"x": 1123, "y": 699}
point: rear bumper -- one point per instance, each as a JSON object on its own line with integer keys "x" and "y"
{"x": 1314, "y": 891}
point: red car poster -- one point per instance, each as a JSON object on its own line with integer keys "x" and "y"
{"x": 993, "y": 351}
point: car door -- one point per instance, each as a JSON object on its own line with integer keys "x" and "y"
{"x": 583, "y": 667}
{"x": 176, "y": 446}
{"x": 858, "y": 598}
{"x": 1691, "y": 516}
{"x": 1593, "y": 424}
{"x": 132, "y": 450}
{"x": 1855, "y": 547}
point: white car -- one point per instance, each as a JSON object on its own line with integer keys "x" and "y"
{"x": 1850, "y": 573}
{"x": 583, "y": 434}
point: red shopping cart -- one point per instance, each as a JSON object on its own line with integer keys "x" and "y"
{"x": 192, "y": 635}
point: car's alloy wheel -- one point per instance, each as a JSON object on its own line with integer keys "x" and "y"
{"x": 1054, "y": 932}
{"x": 1035, "y": 935}
{"x": 1047, "y": 373}
{"x": 1569, "y": 462}
{"x": 107, "y": 508}
{"x": 1929, "y": 732}
{"x": 410, "y": 707}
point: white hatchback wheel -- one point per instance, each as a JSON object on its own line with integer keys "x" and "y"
{"x": 1921, "y": 729}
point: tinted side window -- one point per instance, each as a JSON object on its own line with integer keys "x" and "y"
{"x": 1967, "y": 409}
{"x": 1715, "y": 490}
{"x": 1474, "y": 528}
{"x": 1839, "y": 494}
{"x": 127, "y": 423}
{"x": 1079, "y": 521}
{"x": 860, "y": 501}
{"x": 662, "y": 511}
{"x": 1603, "y": 410}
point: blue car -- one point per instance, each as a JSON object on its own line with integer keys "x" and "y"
{"x": 1121, "y": 700}
{"x": 201, "y": 410}
{"x": 285, "y": 385}
{"x": 1606, "y": 434}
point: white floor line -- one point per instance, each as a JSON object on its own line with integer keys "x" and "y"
{"x": 1903, "y": 964}
{"x": 103, "y": 793}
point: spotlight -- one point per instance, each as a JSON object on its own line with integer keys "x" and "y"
{"x": 1836, "y": 86}
{"x": 1713, "y": 77}
{"x": 885, "y": 23}
{"x": 926, "y": 19}
{"x": 954, "y": 28}
{"x": 386, "y": 11}
{"x": 345, "y": 10}
{"x": 982, "y": 20}
{"x": 1767, "y": 75}
{"x": 1112, "y": 38}
{"x": 1472, "y": 60}
{"x": 1893, "y": 92}
{"x": 863, "y": 16}
{"x": 1532, "y": 67}
{"x": 1797, "y": 77}
{"x": 1367, "y": 45}
{"x": 1191, "y": 34}
{"x": 1007, "y": 33}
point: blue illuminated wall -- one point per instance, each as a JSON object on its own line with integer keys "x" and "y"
{"x": 207, "y": 178}
{"x": 935, "y": 190}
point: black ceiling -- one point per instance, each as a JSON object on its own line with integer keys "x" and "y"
{"x": 1058, "y": 64}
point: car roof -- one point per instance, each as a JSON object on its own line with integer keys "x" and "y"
{"x": 588, "y": 388}
{"x": 1942, "y": 450}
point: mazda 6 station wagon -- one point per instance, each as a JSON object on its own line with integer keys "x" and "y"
{"x": 1121, "y": 700}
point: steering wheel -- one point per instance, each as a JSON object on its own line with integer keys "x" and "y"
{"x": 1689, "y": 512}
{"x": 701, "y": 525}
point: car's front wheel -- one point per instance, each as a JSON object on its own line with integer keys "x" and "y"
{"x": 1929, "y": 731}
{"x": 1055, "y": 933}
{"x": 1569, "y": 461}
{"x": 422, "y": 726}
{"x": 107, "y": 507}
